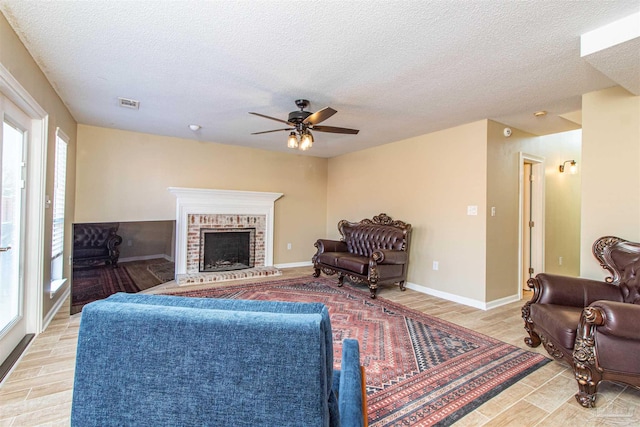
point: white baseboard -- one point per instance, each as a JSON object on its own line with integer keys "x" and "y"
{"x": 463, "y": 300}
{"x": 56, "y": 307}
{"x": 294, "y": 264}
{"x": 145, "y": 258}
{"x": 445, "y": 295}
{"x": 502, "y": 301}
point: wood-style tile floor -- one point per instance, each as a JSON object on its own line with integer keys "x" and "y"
{"x": 38, "y": 391}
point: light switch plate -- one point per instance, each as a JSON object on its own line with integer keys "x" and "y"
{"x": 472, "y": 210}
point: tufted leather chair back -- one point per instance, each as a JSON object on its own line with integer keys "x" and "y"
{"x": 93, "y": 235}
{"x": 622, "y": 259}
{"x": 626, "y": 260}
{"x": 365, "y": 238}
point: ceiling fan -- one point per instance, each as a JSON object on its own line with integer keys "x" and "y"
{"x": 303, "y": 122}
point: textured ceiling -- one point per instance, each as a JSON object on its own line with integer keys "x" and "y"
{"x": 393, "y": 69}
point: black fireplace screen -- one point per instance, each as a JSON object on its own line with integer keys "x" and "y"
{"x": 227, "y": 249}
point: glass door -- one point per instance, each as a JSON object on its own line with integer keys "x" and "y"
{"x": 12, "y": 210}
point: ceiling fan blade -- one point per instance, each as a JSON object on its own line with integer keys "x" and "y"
{"x": 333, "y": 129}
{"x": 319, "y": 116}
{"x": 272, "y": 118}
{"x": 275, "y": 130}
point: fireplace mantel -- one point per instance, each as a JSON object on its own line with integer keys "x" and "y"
{"x": 190, "y": 201}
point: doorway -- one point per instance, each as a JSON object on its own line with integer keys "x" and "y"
{"x": 14, "y": 139}
{"x": 23, "y": 148}
{"x": 531, "y": 224}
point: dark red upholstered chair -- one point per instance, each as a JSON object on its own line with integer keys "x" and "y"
{"x": 593, "y": 326}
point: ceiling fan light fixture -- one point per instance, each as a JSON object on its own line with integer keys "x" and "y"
{"x": 300, "y": 123}
{"x": 306, "y": 141}
{"x": 292, "y": 141}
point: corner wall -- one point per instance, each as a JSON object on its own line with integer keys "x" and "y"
{"x": 610, "y": 171}
{"x": 561, "y": 205}
{"x": 503, "y": 194}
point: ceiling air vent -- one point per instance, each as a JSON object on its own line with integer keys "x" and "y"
{"x": 129, "y": 103}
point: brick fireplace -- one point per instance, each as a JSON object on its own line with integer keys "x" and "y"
{"x": 225, "y": 211}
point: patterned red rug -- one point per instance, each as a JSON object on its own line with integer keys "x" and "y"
{"x": 421, "y": 371}
{"x": 92, "y": 284}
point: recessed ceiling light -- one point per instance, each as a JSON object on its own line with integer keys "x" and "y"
{"x": 540, "y": 113}
{"x": 194, "y": 127}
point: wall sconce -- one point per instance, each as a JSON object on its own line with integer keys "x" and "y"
{"x": 572, "y": 169}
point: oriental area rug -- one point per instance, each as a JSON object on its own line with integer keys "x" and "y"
{"x": 97, "y": 282}
{"x": 420, "y": 370}
{"x": 92, "y": 284}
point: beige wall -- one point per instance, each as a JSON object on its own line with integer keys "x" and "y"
{"x": 503, "y": 194}
{"x": 124, "y": 176}
{"x": 17, "y": 60}
{"x": 610, "y": 171}
{"x": 144, "y": 239}
{"x": 427, "y": 181}
{"x": 562, "y": 202}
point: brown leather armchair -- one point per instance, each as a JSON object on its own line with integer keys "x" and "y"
{"x": 589, "y": 324}
{"x": 372, "y": 251}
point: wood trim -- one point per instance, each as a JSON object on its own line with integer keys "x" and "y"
{"x": 13, "y": 358}
{"x": 365, "y": 414}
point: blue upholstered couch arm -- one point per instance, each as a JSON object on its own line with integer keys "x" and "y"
{"x": 348, "y": 384}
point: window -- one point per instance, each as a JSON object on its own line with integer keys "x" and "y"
{"x": 59, "y": 184}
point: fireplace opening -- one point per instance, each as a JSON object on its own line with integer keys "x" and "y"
{"x": 227, "y": 249}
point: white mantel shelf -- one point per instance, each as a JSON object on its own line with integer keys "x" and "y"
{"x": 211, "y": 201}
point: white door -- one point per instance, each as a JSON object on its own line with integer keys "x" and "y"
{"x": 531, "y": 225}
{"x": 13, "y": 140}
{"x": 527, "y": 265}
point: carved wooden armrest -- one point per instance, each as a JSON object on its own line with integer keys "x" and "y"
{"x": 385, "y": 256}
{"x": 113, "y": 241}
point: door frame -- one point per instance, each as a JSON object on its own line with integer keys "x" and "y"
{"x": 537, "y": 214}
{"x": 35, "y": 198}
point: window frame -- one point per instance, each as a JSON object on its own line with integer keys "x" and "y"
{"x": 58, "y": 205}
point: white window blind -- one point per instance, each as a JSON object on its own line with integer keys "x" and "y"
{"x": 59, "y": 184}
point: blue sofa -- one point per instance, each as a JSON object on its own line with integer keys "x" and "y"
{"x": 154, "y": 360}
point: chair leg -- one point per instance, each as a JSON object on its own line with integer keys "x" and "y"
{"x": 585, "y": 367}
{"x": 373, "y": 292}
{"x": 587, "y": 395}
{"x": 402, "y": 287}
{"x": 316, "y": 272}
{"x": 340, "y": 280}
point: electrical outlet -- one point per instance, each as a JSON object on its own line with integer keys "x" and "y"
{"x": 288, "y": 246}
{"x": 560, "y": 261}
{"x": 435, "y": 265}
{"x": 493, "y": 211}
{"x": 472, "y": 210}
